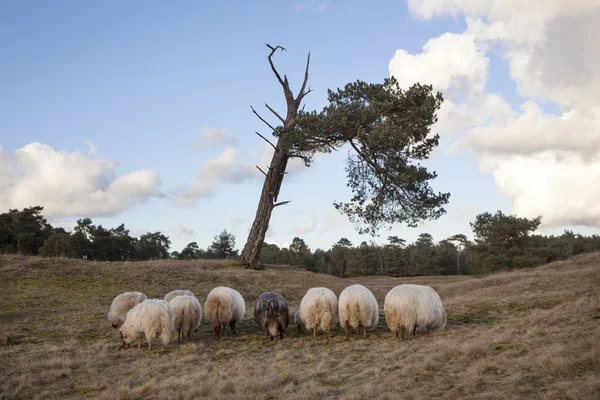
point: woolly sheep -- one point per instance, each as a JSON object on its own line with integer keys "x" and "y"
{"x": 178, "y": 292}
{"x": 319, "y": 309}
{"x": 223, "y": 306}
{"x": 121, "y": 304}
{"x": 358, "y": 309}
{"x": 152, "y": 318}
{"x": 187, "y": 314}
{"x": 298, "y": 320}
{"x": 410, "y": 306}
{"x": 271, "y": 314}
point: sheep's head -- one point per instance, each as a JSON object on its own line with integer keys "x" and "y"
{"x": 124, "y": 339}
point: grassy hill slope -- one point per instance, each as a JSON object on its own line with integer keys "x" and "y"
{"x": 526, "y": 334}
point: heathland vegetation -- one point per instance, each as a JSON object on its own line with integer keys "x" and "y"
{"x": 531, "y": 333}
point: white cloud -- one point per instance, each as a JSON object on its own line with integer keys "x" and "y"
{"x": 546, "y": 164}
{"x": 533, "y": 131}
{"x": 559, "y": 185}
{"x": 216, "y": 137}
{"x": 70, "y": 184}
{"x": 92, "y": 150}
{"x": 224, "y": 169}
{"x": 181, "y": 231}
{"x": 229, "y": 167}
{"x": 451, "y": 63}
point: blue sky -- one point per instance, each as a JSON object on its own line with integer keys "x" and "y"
{"x": 142, "y": 81}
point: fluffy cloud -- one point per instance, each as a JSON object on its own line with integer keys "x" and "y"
{"x": 69, "y": 184}
{"x": 181, "y": 231}
{"x": 547, "y": 164}
{"x": 454, "y": 65}
{"x": 229, "y": 167}
{"x": 216, "y": 137}
{"x": 559, "y": 185}
{"x": 224, "y": 169}
{"x": 451, "y": 63}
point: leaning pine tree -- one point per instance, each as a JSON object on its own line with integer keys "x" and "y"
{"x": 387, "y": 130}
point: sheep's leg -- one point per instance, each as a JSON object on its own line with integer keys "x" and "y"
{"x": 402, "y": 335}
{"x": 396, "y": 332}
{"x": 232, "y": 325}
{"x": 299, "y": 328}
{"x": 162, "y": 348}
{"x": 315, "y": 332}
{"x": 364, "y": 332}
{"x": 189, "y": 334}
{"x": 179, "y": 335}
{"x": 414, "y": 329}
{"x": 346, "y": 326}
{"x": 139, "y": 344}
{"x": 149, "y": 344}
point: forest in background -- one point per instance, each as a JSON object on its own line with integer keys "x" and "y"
{"x": 500, "y": 243}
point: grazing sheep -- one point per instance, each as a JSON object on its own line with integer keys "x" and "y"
{"x": 271, "y": 313}
{"x": 187, "y": 314}
{"x": 358, "y": 309}
{"x": 223, "y": 306}
{"x": 152, "y": 318}
{"x": 121, "y": 304}
{"x": 319, "y": 309}
{"x": 413, "y": 305}
{"x": 174, "y": 293}
{"x": 298, "y": 320}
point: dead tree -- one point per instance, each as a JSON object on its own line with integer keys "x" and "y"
{"x": 276, "y": 171}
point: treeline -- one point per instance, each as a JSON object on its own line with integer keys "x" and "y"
{"x": 501, "y": 243}
{"x": 27, "y": 232}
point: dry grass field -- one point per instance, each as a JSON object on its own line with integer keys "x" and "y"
{"x": 530, "y": 334}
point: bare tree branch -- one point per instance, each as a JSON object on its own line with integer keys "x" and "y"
{"x": 264, "y": 173}
{"x": 302, "y": 93}
{"x": 273, "y": 50}
{"x": 281, "y": 203}
{"x": 262, "y": 119}
{"x": 275, "y": 112}
{"x": 267, "y": 140}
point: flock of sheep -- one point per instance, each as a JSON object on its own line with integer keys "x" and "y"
{"x": 407, "y": 306}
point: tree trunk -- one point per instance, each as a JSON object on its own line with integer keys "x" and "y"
{"x": 273, "y": 181}
{"x": 274, "y": 176}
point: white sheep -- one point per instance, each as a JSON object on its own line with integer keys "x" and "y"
{"x": 169, "y": 296}
{"x": 410, "y": 306}
{"x": 318, "y": 309}
{"x": 223, "y": 306}
{"x": 187, "y": 314}
{"x": 358, "y": 309}
{"x": 121, "y": 304}
{"x": 152, "y": 318}
{"x": 298, "y": 320}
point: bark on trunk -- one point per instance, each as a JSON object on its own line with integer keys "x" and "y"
{"x": 267, "y": 202}
{"x": 274, "y": 176}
